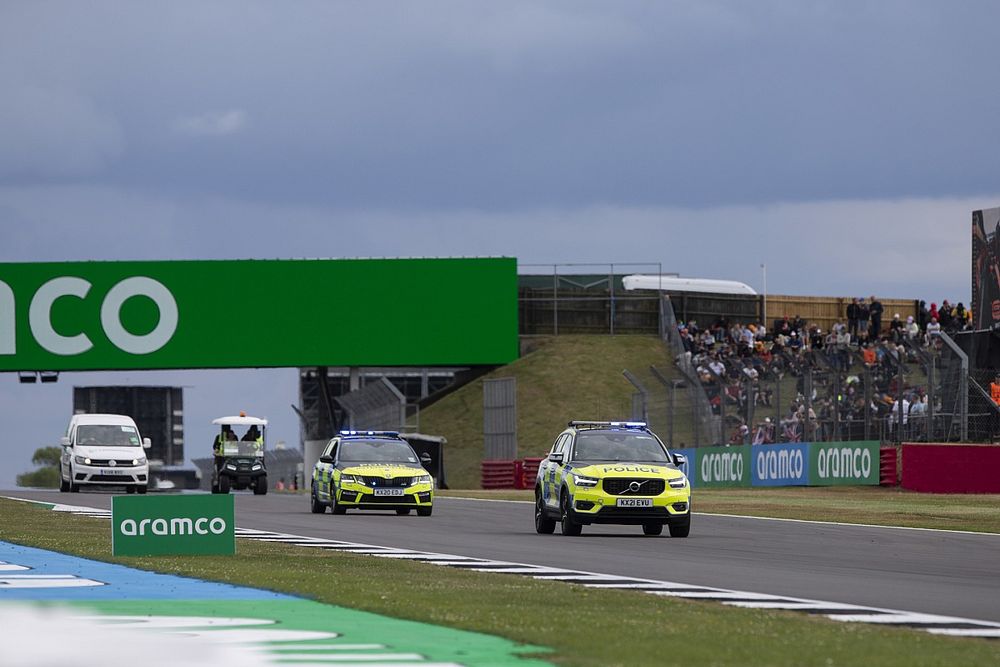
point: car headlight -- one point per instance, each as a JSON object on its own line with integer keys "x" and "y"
{"x": 349, "y": 479}
{"x": 423, "y": 479}
{"x": 580, "y": 480}
{"x": 256, "y": 466}
{"x": 82, "y": 460}
{"x": 141, "y": 461}
{"x": 230, "y": 466}
{"x": 678, "y": 483}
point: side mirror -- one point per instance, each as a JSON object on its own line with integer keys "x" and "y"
{"x": 425, "y": 459}
{"x": 64, "y": 441}
{"x": 326, "y": 459}
{"x": 680, "y": 460}
{"x": 146, "y": 443}
{"x": 556, "y": 457}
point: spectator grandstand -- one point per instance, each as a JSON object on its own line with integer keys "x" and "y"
{"x": 797, "y": 382}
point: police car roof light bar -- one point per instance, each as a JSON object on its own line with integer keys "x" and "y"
{"x": 594, "y": 424}
{"x": 393, "y": 434}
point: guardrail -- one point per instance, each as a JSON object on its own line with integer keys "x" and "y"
{"x": 510, "y": 474}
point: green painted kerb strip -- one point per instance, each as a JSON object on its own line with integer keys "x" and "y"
{"x": 257, "y": 313}
{"x": 360, "y": 633}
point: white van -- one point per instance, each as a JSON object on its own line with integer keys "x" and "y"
{"x": 103, "y": 450}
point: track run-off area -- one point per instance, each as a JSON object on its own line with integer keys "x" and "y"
{"x": 769, "y": 562}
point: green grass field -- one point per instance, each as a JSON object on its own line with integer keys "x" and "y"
{"x": 870, "y": 505}
{"x": 584, "y": 627}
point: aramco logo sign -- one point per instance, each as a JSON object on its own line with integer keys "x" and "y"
{"x": 173, "y": 525}
{"x": 45, "y": 334}
{"x": 83, "y": 316}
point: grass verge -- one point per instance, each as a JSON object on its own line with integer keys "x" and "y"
{"x": 583, "y": 626}
{"x": 869, "y": 505}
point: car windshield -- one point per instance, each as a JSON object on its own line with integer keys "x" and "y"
{"x": 618, "y": 446}
{"x": 379, "y": 451}
{"x": 107, "y": 435}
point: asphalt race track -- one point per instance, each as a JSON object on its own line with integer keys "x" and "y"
{"x": 937, "y": 572}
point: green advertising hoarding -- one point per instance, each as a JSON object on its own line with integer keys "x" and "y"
{"x": 173, "y": 525}
{"x": 257, "y": 313}
{"x": 722, "y": 467}
{"x": 844, "y": 463}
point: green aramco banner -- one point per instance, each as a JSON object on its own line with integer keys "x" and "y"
{"x": 173, "y": 525}
{"x": 257, "y": 313}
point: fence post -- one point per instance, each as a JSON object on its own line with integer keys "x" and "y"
{"x": 900, "y": 415}
{"x": 931, "y": 397}
{"x": 642, "y": 391}
{"x": 868, "y": 403}
{"x": 807, "y": 385}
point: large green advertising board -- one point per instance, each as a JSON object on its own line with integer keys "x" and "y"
{"x": 173, "y": 525}
{"x": 257, "y": 313}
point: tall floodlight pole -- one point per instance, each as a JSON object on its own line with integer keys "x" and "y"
{"x": 763, "y": 268}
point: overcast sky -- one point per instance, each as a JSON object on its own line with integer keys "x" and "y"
{"x": 844, "y": 144}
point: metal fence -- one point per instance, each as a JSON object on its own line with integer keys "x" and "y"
{"x": 585, "y": 298}
{"x": 376, "y": 406}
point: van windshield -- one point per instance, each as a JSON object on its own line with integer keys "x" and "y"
{"x": 107, "y": 436}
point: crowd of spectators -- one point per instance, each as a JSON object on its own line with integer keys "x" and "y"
{"x": 744, "y": 365}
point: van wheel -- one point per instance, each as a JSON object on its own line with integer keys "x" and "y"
{"x": 130, "y": 489}
{"x": 73, "y": 486}
{"x": 141, "y": 489}
{"x": 224, "y": 484}
{"x": 425, "y": 511}
{"x": 63, "y": 484}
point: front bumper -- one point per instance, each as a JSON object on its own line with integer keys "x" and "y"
{"x": 362, "y": 497}
{"x": 118, "y": 476}
{"x": 673, "y": 506}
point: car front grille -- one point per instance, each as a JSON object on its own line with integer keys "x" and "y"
{"x": 121, "y": 479}
{"x": 387, "y": 500}
{"x": 619, "y": 486}
{"x": 106, "y": 463}
{"x": 382, "y": 482}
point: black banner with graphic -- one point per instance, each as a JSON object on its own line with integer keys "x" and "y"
{"x": 986, "y": 268}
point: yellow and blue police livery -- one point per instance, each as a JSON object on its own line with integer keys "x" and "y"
{"x": 611, "y": 472}
{"x": 371, "y": 470}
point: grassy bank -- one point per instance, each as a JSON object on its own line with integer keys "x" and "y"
{"x": 565, "y": 377}
{"x": 870, "y": 505}
{"x": 584, "y": 627}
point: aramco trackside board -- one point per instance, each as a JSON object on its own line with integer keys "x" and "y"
{"x": 257, "y": 313}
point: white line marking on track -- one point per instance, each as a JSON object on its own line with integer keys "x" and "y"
{"x": 761, "y": 518}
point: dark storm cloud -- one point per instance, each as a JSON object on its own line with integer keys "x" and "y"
{"x": 504, "y": 105}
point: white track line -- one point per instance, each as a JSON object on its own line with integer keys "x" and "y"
{"x": 936, "y": 624}
{"x": 761, "y": 518}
